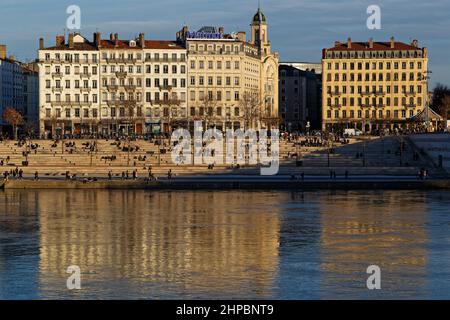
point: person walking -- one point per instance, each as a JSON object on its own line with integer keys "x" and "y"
{"x": 36, "y": 175}
{"x": 109, "y": 175}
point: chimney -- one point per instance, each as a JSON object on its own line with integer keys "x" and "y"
{"x": 349, "y": 43}
{"x": 241, "y": 35}
{"x": 41, "y": 43}
{"x": 221, "y": 30}
{"x": 111, "y": 37}
{"x": 142, "y": 40}
{"x": 2, "y": 51}
{"x": 392, "y": 43}
{"x": 71, "y": 40}
{"x": 337, "y": 44}
{"x": 116, "y": 39}
{"x": 98, "y": 39}
{"x": 60, "y": 40}
{"x": 371, "y": 43}
{"x": 415, "y": 43}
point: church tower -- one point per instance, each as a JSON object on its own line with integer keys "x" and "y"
{"x": 259, "y": 33}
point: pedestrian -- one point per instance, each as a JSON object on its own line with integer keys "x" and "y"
{"x": 346, "y": 174}
{"x": 169, "y": 174}
{"x": 36, "y": 176}
{"x": 109, "y": 175}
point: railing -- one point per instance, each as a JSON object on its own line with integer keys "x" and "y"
{"x": 334, "y": 93}
{"x": 165, "y": 60}
{"x": 57, "y": 74}
{"x": 121, "y": 74}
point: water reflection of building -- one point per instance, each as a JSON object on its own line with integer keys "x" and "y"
{"x": 385, "y": 229}
{"x": 193, "y": 242}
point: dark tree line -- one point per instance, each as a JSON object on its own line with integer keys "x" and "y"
{"x": 441, "y": 100}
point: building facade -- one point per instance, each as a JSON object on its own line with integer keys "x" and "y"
{"x": 110, "y": 86}
{"x": 373, "y": 85}
{"x": 140, "y": 86}
{"x": 18, "y": 88}
{"x": 300, "y": 98}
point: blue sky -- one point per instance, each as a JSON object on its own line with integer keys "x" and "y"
{"x": 299, "y": 29}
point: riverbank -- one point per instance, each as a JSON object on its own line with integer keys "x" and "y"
{"x": 236, "y": 182}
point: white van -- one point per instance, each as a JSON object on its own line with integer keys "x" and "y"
{"x": 352, "y": 132}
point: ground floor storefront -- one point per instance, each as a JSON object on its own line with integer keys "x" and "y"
{"x": 378, "y": 126}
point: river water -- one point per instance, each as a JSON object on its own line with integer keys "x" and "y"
{"x": 224, "y": 244}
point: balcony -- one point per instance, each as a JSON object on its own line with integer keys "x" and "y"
{"x": 163, "y": 87}
{"x": 336, "y": 105}
{"x": 85, "y": 75}
{"x": 380, "y": 105}
{"x": 57, "y": 74}
{"x": 379, "y": 93}
{"x": 121, "y": 74}
{"x": 409, "y": 93}
{"x": 86, "y": 89}
{"x": 121, "y": 60}
{"x": 130, "y": 87}
{"x": 164, "y": 60}
{"x": 366, "y": 105}
{"x": 122, "y": 102}
{"x": 112, "y": 87}
{"x": 334, "y": 93}
{"x": 366, "y": 93}
{"x": 410, "y": 105}
{"x": 57, "y": 89}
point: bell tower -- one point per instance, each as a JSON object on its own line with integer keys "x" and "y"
{"x": 259, "y": 32}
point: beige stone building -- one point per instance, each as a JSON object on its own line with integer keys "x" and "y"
{"x": 232, "y": 82}
{"x": 373, "y": 85}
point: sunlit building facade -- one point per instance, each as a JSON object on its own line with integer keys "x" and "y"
{"x": 115, "y": 86}
{"x": 373, "y": 85}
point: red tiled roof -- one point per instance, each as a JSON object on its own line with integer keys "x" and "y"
{"x": 163, "y": 44}
{"x": 377, "y": 46}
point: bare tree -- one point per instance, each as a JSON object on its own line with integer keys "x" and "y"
{"x": 170, "y": 102}
{"x": 251, "y": 106}
{"x": 210, "y": 103}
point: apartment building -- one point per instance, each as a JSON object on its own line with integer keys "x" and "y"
{"x": 18, "y": 87}
{"x": 373, "y": 85}
{"x": 300, "y": 96}
{"x": 110, "y": 86}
